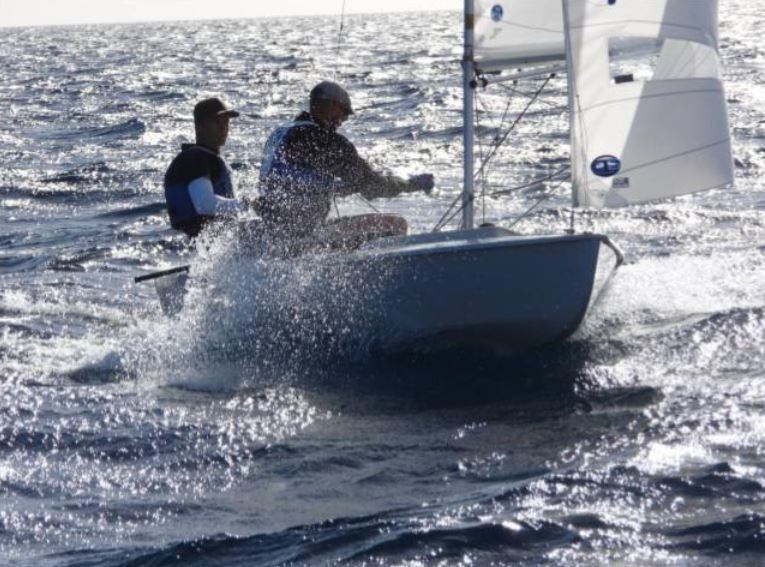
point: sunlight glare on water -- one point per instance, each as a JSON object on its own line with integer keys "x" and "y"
{"x": 229, "y": 435}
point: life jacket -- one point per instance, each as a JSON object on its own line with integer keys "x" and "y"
{"x": 281, "y": 176}
{"x": 294, "y": 196}
{"x": 192, "y": 163}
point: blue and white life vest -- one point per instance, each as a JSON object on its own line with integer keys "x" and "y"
{"x": 194, "y": 162}
{"x": 281, "y": 178}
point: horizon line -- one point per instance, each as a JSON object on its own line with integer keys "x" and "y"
{"x": 221, "y": 19}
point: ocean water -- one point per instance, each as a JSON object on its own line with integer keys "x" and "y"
{"x": 216, "y": 439}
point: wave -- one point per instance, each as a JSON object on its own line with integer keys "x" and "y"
{"x": 85, "y": 173}
{"x": 22, "y": 263}
{"x": 372, "y": 539}
{"x": 720, "y": 481}
{"x": 129, "y": 129}
{"x": 132, "y": 212}
{"x": 741, "y": 535}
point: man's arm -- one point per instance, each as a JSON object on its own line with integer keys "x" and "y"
{"x": 207, "y": 203}
{"x": 359, "y": 177}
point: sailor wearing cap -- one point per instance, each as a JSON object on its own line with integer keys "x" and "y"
{"x": 199, "y": 186}
{"x": 306, "y": 163}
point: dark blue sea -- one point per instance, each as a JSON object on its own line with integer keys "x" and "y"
{"x": 130, "y": 439}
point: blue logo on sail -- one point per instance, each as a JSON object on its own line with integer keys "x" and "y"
{"x": 606, "y": 166}
{"x": 497, "y": 12}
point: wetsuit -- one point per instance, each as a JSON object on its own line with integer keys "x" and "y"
{"x": 199, "y": 187}
{"x": 304, "y": 166}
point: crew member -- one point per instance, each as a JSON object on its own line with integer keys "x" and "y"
{"x": 199, "y": 186}
{"x": 306, "y": 163}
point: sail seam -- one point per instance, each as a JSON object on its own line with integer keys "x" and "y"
{"x": 678, "y": 155}
{"x": 662, "y": 25}
{"x": 533, "y": 28}
{"x": 645, "y": 97}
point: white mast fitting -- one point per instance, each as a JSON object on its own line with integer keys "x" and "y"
{"x": 468, "y": 73}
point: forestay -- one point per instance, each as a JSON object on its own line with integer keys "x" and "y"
{"x": 649, "y": 116}
{"x": 517, "y": 33}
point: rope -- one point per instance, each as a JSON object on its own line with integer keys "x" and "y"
{"x": 367, "y": 202}
{"x": 512, "y": 127}
{"x": 515, "y": 91}
{"x": 480, "y": 158}
{"x": 533, "y": 207}
{"x": 445, "y": 218}
{"x": 550, "y": 177}
{"x": 454, "y": 214}
{"x": 504, "y": 114}
{"x": 443, "y": 221}
{"x": 340, "y": 32}
{"x": 529, "y": 210}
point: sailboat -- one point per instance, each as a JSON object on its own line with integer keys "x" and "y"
{"x": 639, "y": 133}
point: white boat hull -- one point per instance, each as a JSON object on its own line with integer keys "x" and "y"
{"x": 485, "y": 290}
{"x": 482, "y": 289}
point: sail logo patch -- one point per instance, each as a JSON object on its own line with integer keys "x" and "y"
{"x": 621, "y": 183}
{"x": 497, "y": 12}
{"x": 606, "y": 166}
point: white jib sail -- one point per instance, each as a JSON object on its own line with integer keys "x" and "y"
{"x": 649, "y": 116}
{"x": 517, "y": 33}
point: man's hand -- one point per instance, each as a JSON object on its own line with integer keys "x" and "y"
{"x": 423, "y": 182}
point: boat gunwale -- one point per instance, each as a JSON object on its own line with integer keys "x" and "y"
{"x": 481, "y": 243}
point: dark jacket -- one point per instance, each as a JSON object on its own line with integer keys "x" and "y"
{"x": 305, "y": 166}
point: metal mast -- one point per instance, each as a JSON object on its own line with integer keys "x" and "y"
{"x": 468, "y": 118}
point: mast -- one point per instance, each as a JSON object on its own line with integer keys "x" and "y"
{"x": 468, "y": 118}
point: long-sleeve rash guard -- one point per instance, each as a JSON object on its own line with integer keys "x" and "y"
{"x": 198, "y": 188}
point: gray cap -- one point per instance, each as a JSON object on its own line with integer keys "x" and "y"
{"x": 332, "y": 92}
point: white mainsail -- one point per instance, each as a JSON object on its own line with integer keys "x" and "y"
{"x": 653, "y": 126}
{"x": 517, "y": 33}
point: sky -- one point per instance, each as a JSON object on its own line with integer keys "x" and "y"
{"x": 58, "y": 12}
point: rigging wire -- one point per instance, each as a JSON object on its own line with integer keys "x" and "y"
{"x": 340, "y": 37}
{"x": 516, "y": 91}
{"x": 443, "y": 221}
{"x": 550, "y": 177}
{"x": 494, "y": 141}
{"x": 480, "y": 159}
{"x": 517, "y": 120}
{"x": 367, "y": 202}
{"x": 532, "y": 208}
{"x": 505, "y": 114}
{"x": 446, "y": 220}
{"x": 448, "y": 216}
